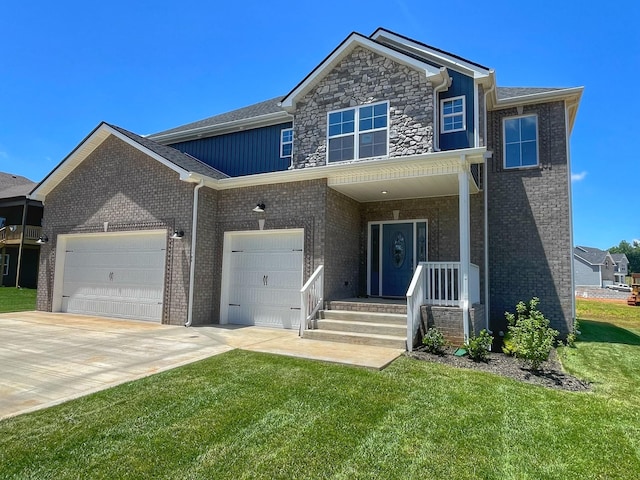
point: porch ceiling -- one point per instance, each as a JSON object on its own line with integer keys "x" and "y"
{"x": 400, "y": 181}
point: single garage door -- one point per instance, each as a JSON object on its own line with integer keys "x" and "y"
{"x": 115, "y": 275}
{"x": 264, "y": 278}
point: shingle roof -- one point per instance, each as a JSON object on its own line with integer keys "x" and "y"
{"x": 183, "y": 160}
{"x": 14, "y": 185}
{"x": 513, "y": 92}
{"x": 594, "y": 256}
{"x": 618, "y": 257}
{"x": 251, "y": 111}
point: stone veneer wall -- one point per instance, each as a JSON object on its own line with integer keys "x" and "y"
{"x": 530, "y": 251}
{"x": 121, "y": 185}
{"x": 443, "y": 228}
{"x": 288, "y": 205}
{"x": 365, "y": 77}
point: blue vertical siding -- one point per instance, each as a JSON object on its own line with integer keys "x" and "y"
{"x": 461, "y": 85}
{"x": 241, "y": 153}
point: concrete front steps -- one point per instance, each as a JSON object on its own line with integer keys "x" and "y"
{"x": 362, "y": 323}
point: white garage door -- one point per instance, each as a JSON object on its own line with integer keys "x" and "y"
{"x": 264, "y": 278}
{"x": 115, "y": 275}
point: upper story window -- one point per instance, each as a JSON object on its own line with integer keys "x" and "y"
{"x": 286, "y": 142}
{"x": 520, "y": 141}
{"x": 360, "y": 132}
{"x": 452, "y": 114}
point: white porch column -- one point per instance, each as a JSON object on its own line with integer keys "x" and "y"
{"x": 465, "y": 241}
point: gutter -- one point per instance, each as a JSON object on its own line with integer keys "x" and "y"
{"x": 192, "y": 266}
{"x": 485, "y": 170}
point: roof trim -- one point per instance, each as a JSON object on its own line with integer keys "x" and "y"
{"x": 84, "y": 149}
{"x": 449, "y": 60}
{"x": 346, "y": 46}
{"x": 222, "y": 128}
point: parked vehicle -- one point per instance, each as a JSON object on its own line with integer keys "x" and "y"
{"x": 621, "y": 287}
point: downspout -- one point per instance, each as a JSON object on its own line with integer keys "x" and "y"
{"x": 192, "y": 267}
{"x": 485, "y": 175}
{"x": 446, "y": 83}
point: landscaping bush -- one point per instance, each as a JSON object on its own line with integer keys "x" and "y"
{"x": 532, "y": 336}
{"x": 478, "y": 347}
{"x": 434, "y": 341}
{"x": 508, "y": 345}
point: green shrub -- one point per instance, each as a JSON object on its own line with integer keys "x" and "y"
{"x": 434, "y": 341}
{"x": 508, "y": 345}
{"x": 532, "y": 336}
{"x": 478, "y": 347}
{"x": 573, "y": 336}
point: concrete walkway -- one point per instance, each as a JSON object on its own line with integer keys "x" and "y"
{"x": 49, "y": 358}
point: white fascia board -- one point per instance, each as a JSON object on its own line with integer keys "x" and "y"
{"x": 355, "y": 39}
{"x": 85, "y": 149}
{"x": 439, "y": 57}
{"x": 564, "y": 94}
{"x": 222, "y": 128}
{"x": 472, "y": 155}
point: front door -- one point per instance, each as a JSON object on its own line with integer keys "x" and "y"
{"x": 395, "y": 250}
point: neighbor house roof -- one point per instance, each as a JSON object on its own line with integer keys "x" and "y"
{"x": 593, "y": 256}
{"x": 12, "y": 186}
{"x": 619, "y": 257}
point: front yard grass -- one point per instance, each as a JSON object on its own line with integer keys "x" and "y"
{"x": 17, "y": 299}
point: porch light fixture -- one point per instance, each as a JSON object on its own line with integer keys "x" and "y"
{"x": 259, "y": 208}
{"x": 384, "y": 192}
{"x": 177, "y": 235}
{"x": 42, "y": 239}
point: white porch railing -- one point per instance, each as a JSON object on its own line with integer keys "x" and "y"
{"x": 312, "y": 297}
{"x": 444, "y": 284}
{"x": 440, "y": 284}
{"x": 12, "y": 233}
{"x": 415, "y": 298}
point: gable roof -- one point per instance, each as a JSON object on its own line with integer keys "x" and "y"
{"x": 186, "y": 166}
{"x": 593, "y": 256}
{"x": 619, "y": 257}
{"x": 252, "y": 116}
{"x": 12, "y": 186}
{"x": 346, "y": 46}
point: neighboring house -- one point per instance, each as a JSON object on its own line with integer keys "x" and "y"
{"x": 20, "y": 228}
{"x": 391, "y": 159}
{"x": 595, "y": 267}
{"x": 621, "y": 267}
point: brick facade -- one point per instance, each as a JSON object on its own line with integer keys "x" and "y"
{"x": 530, "y": 251}
{"x": 365, "y": 77}
{"x": 121, "y": 185}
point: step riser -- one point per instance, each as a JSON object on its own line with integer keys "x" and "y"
{"x": 328, "y": 336}
{"x": 389, "y": 319}
{"x": 367, "y": 307}
{"x": 366, "y": 327}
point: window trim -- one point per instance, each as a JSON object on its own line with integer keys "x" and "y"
{"x": 447, "y": 115}
{"x": 504, "y": 142}
{"x": 356, "y": 131}
{"x": 6, "y": 265}
{"x": 283, "y": 143}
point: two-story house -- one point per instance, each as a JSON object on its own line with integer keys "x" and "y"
{"x": 598, "y": 268}
{"x": 20, "y": 220}
{"x": 392, "y": 170}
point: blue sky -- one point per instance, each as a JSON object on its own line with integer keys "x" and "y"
{"x": 152, "y": 65}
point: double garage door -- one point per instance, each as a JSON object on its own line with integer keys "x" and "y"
{"x": 113, "y": 275}
{"x": 263, "y": 277}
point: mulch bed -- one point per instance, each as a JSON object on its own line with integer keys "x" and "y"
{"x": 551, "y": 374}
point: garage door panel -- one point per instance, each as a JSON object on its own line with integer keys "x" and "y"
{"x": 115, "y": 275}
{"x": 265, "y": 277}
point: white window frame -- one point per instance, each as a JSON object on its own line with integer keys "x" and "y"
{"x": 6, "y": 265}
{"x": 283, "y": 142}
{"x": 455, "y": 114}
{"x": 356, "y": 131}
{"x": 504, "y": 142}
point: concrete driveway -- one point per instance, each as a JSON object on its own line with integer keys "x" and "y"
{"x": 49, "y": 358}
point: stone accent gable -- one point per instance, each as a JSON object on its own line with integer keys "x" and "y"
{"x": 364, "y": 77}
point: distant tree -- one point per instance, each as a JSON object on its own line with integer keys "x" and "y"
{"x": 632, "y": 251}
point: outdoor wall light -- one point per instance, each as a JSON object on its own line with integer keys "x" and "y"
{"x": 42, "y": 239}
{"x": 259, "y": 208}
{"x": 177, "y": 235}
